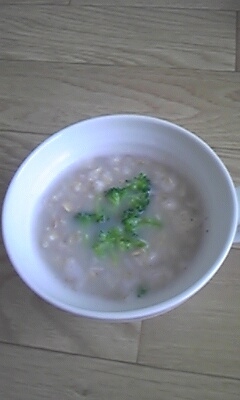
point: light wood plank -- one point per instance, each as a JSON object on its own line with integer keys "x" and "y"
{"x": 203, "y": 335}
{"x": 119, "y": 36}
{"x": 231, "y": 158}
{"x": 13, "y": 155}
{"x": 15, "y": 147}
{"x": 48, "y": 97}
{"x": 29, "y": 374}
{"x": 26, "y": 319}
{"x": 44, "y": 97}
{"x": 192, "y": 4}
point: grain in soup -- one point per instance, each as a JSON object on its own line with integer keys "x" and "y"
{"x": 120, "y": 226}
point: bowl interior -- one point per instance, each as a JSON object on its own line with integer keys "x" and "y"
{"x": 110, "y": 135}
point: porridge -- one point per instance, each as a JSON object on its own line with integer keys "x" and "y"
{"x": 119, "y": 226}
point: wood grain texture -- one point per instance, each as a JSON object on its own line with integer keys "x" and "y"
{"x": 44, "y": 97}
{"x": 140, "y": 36}
{"x": 27, "y": 320}
{"x": 203, "y": 334}
{"x": 30, "y": 374}
{"x": 177, "y": 4}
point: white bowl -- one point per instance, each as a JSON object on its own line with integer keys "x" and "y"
{"x": 118, "y": 134}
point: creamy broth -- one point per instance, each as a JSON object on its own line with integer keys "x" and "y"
{"x": 67, "y": 245}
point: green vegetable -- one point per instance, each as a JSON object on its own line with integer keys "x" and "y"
{"x": 136, "y": 192}
{"x": 130, "y": 202}
{"x": 116, "y": 239}
{"x": 140, "y": 192}
{"x": 132, "y": 219}
{"x": 87, "y": 218}
{"x": 115, "y": 195}
{"x": 151, "y": 221}
{"x": 141, "y": 291}
{"x": 140, "y": 183}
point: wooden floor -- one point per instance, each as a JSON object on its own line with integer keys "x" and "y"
{"x": 62, "y": 61}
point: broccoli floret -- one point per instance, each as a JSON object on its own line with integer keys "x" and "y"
{"x": 140, "y": 183}
{"x": 101, "y": 246}
{"x": 140, "y": 201}
{"x": 139, "y": 188}
{"x": 87, "y": 218}
{"x": 136, "y": 192}
{"x": 132, "y": 219}
{"x": 141, "y": 291}
{"x": 116, "y": 239}
{"x": 115, "y": 195}
{"x": 134, "y": 197}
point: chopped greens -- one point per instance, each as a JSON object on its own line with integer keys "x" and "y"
{"x": 129, "y": 202}
{"x": 132, "y": 219}
{"x": 86, "y": 218}
{"x": 151, "y": 222}
{"x": 141, "y": 291}
{"x": 116, "y": 239}
{"x": 115, "y": 195}
{"x": 136, "y": 192}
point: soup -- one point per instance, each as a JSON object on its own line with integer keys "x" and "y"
{"x": 120, "y": 226}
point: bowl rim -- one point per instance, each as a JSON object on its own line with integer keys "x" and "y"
{"x": 143, "y": 312}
